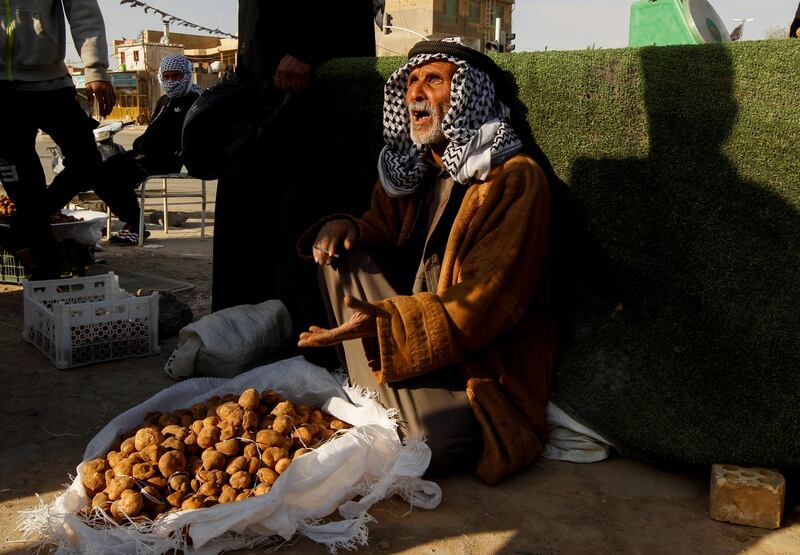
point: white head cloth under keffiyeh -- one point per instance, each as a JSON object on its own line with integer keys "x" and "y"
{"x": 176, "y": 89}
{"x": 476, "y": 126}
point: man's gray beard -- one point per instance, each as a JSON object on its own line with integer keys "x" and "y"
{"x": 434, "y": 134}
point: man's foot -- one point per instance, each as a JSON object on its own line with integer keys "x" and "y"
{"x": 127, "y": 236}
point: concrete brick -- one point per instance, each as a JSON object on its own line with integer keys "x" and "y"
{"x": 749, "y": 496}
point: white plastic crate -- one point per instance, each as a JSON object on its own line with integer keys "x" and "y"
{"x": 79, "y": 321}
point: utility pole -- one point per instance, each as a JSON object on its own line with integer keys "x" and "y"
{"x": 502, "y": 41}
{"x": 496, "y": 45}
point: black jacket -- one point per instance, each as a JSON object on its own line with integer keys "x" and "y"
{"x": 795, "y": 24}
{"x": 160, "y": 144}
{"x": 310, "y": 30}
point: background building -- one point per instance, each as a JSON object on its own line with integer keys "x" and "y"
{"x": 473, "y": 21}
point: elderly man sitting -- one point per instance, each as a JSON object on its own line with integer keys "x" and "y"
{"x": 439, "y": 292}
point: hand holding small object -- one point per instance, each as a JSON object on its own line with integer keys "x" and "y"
{"x": 329, "y": 238}
{"x": 320, "y": 249}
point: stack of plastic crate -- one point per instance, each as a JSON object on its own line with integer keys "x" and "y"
{"x": 79, "y": 321}
{"x": 11, "y": 269}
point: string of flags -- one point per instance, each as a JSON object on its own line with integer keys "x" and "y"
{"x": 169, "y": 18}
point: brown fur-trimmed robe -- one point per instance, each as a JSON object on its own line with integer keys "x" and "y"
{"x": 490, "y": 313}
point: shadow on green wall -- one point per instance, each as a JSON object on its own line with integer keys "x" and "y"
{"x": 692, "y": 358}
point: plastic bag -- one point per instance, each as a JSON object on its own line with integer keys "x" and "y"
{"x": 572, "y": 441}
{"x": 87, "y": 232}
{"x": 227, "y": 342}
{"x": 367, "y": 461}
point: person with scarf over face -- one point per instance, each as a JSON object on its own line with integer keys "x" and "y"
{"x": 439, "y": 293}
{"x": 156, "y": 151}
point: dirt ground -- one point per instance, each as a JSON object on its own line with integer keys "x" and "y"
{"x": 618, "y": 506}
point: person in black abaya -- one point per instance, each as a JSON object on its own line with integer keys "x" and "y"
{"x": 258, "y": 214}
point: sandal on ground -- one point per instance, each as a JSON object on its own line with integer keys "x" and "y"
{"x": 127, "y": 236}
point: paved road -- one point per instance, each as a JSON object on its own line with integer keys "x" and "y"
{"x": 126, "y": 138}
{"x": 189, "y": 206}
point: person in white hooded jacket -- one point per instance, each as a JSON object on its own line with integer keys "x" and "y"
{"x": 37, "y": 92}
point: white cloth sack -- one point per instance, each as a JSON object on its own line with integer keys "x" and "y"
{"x": 88, "y": 232}
{"x": 368, "y": 461}
{"x": 572, "y": 441}
{"x": 225, "y": 343}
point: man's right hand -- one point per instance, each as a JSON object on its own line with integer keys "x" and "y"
{"x": 103, "y": 91}
{"x": 333, "y": 234}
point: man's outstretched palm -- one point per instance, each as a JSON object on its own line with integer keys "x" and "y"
{"x": 361, "y": 324}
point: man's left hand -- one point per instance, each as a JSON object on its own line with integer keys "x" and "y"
{"x": 361, "y": 324}
{"x": 103, "y": 91}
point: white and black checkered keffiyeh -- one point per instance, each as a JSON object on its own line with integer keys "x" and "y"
{"x": 476, "y": 126}
{"x": 176, "y": 89}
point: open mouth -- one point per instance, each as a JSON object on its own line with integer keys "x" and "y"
{"x": 420, "y": 117}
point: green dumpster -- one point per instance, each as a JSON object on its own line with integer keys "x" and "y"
{"x": 663, "y": 22}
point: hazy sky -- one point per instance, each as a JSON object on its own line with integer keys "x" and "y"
{"x": 555, "y": 24}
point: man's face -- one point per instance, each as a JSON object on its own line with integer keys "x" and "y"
{"x": 428, "y": 100}
{"x": 172, "y": 75}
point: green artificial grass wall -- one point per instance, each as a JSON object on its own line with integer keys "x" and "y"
{"x": 684, "y": 344}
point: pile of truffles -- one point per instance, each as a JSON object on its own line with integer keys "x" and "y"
{"x": 7, "y": 207}
{"x": 224, "y": 450}
{"x": 60, "y": 218}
